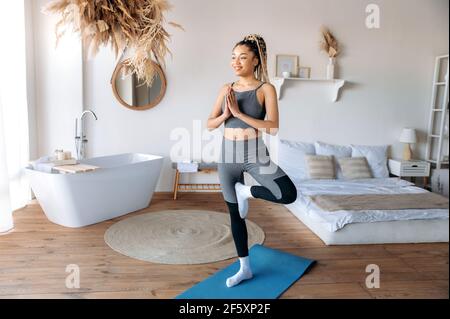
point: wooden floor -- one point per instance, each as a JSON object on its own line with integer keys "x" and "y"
{"x": 33, "y": 260}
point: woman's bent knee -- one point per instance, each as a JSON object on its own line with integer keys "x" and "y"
{"x": 288, "y": 190}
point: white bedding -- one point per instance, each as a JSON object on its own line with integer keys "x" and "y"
{"x": 338, "y": 219}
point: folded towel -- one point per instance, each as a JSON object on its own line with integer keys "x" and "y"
{"x": 187, "y": 167}
{"x": 44, "y": 159}
{"x": 43, "y": 164}
{"x": 44, "y": 167}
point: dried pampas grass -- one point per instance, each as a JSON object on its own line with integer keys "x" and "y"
{"x": 329, "y": 43}
{"x": 132, "y": 26}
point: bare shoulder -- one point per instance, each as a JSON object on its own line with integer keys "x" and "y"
{"x": 224, "y": 89}
{"x": 268, "y": 88}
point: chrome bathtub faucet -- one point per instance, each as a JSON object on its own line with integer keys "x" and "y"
{"x": 80, "y": 136}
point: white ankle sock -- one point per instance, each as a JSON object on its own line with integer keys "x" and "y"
{"x": 243, "y": 193}
{"x": 244, "y": 273}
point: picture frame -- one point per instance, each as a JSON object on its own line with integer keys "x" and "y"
{"x": 304, "y": 72}
{"x": 286, "y": 63}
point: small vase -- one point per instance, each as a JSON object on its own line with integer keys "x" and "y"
{"x": 330, "y": 68}
{"x": 286, "y": 75}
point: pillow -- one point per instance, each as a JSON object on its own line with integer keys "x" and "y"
{"x": 337, "y": 151}
{"x": 355, "y": 168}
{"x": 320, "y": 167}
{"x": 291, "y": 158}
{"x": 376, "y": 157}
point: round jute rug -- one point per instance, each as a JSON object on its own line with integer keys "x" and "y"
{"x": 178, "y": 237}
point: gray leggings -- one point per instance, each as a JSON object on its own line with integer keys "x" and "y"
{"x": 251, "y": 156}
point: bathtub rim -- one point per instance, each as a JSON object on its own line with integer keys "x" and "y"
{"x": 150, "y": 158}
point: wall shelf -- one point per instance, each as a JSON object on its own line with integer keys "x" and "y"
{"x": 279, "y": 82}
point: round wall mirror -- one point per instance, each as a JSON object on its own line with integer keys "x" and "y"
{"x": 135, "y": 94}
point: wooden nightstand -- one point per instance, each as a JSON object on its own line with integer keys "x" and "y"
{"x": 410, "y": 169}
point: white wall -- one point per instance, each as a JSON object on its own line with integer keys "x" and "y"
{"x": 389, "y": 71}
{"x": 58, "y": 83}
{"x": 30, "y": 71}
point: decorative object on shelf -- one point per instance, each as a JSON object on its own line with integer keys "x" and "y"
{"x": 286, "y": 63}
{"x": 286, "y": 74}
{"x": 409, "y": 137}
{"x": 330, "y": 45}
{"x": 304, "y": 72}
{"x": 330, "y": 68}
{"x": 336, "y": 85}
{"x": 127, "y": 25}
{"x": 135, "y": 94}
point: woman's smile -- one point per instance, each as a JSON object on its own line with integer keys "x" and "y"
{"x": 240, "y": 61}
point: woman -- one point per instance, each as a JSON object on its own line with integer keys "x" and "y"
{"x": 248, "y": 108}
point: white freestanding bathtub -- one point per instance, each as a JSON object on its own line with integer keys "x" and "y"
{"x": 124, "y": 183}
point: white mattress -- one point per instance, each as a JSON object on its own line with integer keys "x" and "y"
{"x": 398, "y": 231}
{"x": 339, "y": 219}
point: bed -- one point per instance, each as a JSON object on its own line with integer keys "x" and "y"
{"x": 371, "y": 226}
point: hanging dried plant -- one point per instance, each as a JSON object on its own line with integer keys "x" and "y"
{"x": 329, "y": 43}
{"x": 134, "y": 26}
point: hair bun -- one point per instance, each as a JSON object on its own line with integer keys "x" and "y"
{"x": 253, "y": 38}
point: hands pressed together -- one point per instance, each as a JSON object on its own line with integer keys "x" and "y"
{"x": 231, "y": 105}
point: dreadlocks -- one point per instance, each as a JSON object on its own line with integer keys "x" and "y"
{"x": 257, "y": 45}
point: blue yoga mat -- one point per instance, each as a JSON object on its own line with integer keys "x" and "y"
{"x": 274, "y": 272}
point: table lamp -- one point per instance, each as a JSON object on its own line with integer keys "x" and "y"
{"x": 409, "y": 137}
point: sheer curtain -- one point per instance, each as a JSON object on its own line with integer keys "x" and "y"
{"x": 14, "y": 139}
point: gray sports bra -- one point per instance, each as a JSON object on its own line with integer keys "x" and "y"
{"x": 248, "y": 104}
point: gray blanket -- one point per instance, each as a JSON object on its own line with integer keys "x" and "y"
{"x": 381, "y": 201}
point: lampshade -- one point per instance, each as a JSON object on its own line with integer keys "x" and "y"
{"x": 408, "y": 136}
